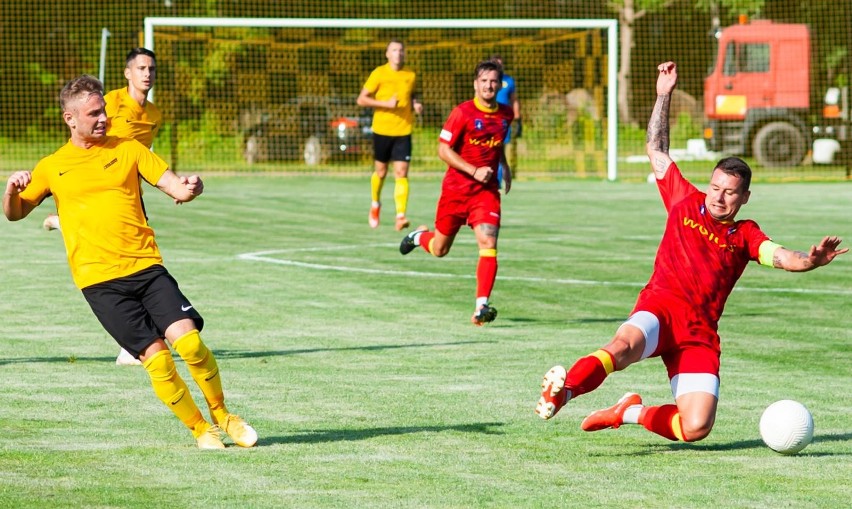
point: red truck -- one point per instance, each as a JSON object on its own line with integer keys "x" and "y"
{"x": 759, "y": 97}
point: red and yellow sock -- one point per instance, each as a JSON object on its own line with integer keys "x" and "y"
{"x": 486, "y": 272}
{"x": 202, "y": 366}
{"x": 588, "y": 373}
{"x": 172, "y": 390}
{"x": 663, "y": 420}
{"x": 426, "y": 241}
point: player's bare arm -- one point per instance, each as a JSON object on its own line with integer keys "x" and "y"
{"x": 182, "y": 189}
{"x": 453, "y": 159}
{"x": 366, "y": 99}
{"x": 818, "y": 256}
{"x": 15, "y": 208}
{"x": 657, "y": 135}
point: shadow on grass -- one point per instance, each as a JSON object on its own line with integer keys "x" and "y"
{"x": 247, "y": 354}
{"x": 349, "y": 435}
{"x": 68, "y": 359}
{"x": 560, "y": 321}
{"x": 747, "y": 444}
{"x": 244, "y": 354}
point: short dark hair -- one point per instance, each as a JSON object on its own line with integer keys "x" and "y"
{"x": 496, "y": 57}
{"x": 395, "y": 40}
{"x": 487, "y": 66}
{"x": 736, "y": 167}
{"x": 85, "y": 84}
{"x": 135, "y": 52}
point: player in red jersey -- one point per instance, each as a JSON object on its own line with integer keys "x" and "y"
{"x": 471, "y": 143}
{"x": 703, "y": 252}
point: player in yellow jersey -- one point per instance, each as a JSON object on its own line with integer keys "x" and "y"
{"x": 114, "y": 258}
{"x": 130, "y": 115}
{"x": 390, "y": 92}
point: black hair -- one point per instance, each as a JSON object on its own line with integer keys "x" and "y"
{"x": 737, "y": 167}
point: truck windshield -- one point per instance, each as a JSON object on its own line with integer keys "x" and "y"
{"x": 752, "y": 57}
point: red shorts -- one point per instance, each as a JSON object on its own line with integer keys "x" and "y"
{"x": 685, "y": 342}
{"x": 455, "y": 210}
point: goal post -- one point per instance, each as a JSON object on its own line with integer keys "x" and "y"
{"x": 264, "y": 79}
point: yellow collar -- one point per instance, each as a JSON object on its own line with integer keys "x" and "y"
{"x": 485, "y": 107}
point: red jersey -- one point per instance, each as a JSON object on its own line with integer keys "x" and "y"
{"x": 700, "y": 258}
{"x": 476, "y": 133}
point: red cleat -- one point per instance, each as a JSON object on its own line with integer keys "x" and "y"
{"x": 554, "y": 395}
{"x": 611, "y": 417}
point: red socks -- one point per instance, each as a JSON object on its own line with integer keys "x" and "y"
{"x": 663, "y": 420}
{"x": 588, "y": 373}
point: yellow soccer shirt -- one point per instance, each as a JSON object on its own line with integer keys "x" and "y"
{"x": 99, "y": 202}
{"x": 129, "y": 120}
{"x": 384, "y": 83}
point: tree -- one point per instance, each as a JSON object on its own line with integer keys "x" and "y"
{"x": 630, "y": 11}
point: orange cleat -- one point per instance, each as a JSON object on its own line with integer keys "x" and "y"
{"x": 554, "y": 395}
{"x": 374, "y": 216}
{"x": 611, "y": 417}
{"x": 402, "y": 223}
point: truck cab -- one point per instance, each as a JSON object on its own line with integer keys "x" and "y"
{"x": 757, "y": 97}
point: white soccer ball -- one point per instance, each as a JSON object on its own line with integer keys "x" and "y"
{"x": 786, "y": 426}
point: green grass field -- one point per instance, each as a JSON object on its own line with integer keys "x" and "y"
{"x": 370, "y": 388}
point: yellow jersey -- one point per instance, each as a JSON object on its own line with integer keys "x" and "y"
{"x": 127, "y": 119}
{"x": 384, "y": 83}
{"x": 99, "y": 202}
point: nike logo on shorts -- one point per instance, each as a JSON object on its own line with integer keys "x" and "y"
{"x": 186, "y": 308}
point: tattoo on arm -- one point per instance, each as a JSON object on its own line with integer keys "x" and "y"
{"x": 797, "y": 256}
{"x": 657, "y": 135}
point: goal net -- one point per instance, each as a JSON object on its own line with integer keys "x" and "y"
{"x": 275, "y": 94}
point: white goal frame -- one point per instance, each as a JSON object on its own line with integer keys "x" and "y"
{"x": 610, "y": 25}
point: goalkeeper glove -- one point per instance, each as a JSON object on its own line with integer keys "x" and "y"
{"x": 519, "y": 128}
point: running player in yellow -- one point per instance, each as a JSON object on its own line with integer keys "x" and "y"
{"x": 114, "y": 258}
{"x": 390, "y": 92}
{"x": 130, "y": 115}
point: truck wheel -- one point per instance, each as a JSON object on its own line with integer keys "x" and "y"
{"x": 779, "y": 144}
{"x": 315, "y": 152}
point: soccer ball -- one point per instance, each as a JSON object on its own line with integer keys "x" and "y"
{"x": 786, "y": 426}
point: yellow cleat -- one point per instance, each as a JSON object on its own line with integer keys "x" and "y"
{"x": 239, "y": 430}
{"x": 210, "y": 438}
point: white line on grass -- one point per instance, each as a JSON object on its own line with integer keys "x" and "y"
{"x": 265, "y": 257}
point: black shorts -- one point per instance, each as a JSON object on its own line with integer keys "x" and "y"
{"x": 137, "y": 309}
{"x": 392, "y": 148}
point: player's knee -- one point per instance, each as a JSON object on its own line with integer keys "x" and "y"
{"x": 624, "y": 352}
{"x": 440, "y": 251}
{"x": 695, "y": 428}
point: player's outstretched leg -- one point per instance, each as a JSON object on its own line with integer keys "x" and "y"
{"x": 412, "y": 240}
{"x": 554, "y": 395}
{"x": 203, "y": 368}
{"x": 611, "y": 417}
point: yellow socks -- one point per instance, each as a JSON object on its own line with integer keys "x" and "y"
{"x": 400, "y": 195}
{"x": 376, "y": 184}
{"x": 204, "y": 370}
{"x": 173, "y": 392}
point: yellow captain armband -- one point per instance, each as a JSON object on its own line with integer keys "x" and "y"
{"x": 766, "y": 253}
